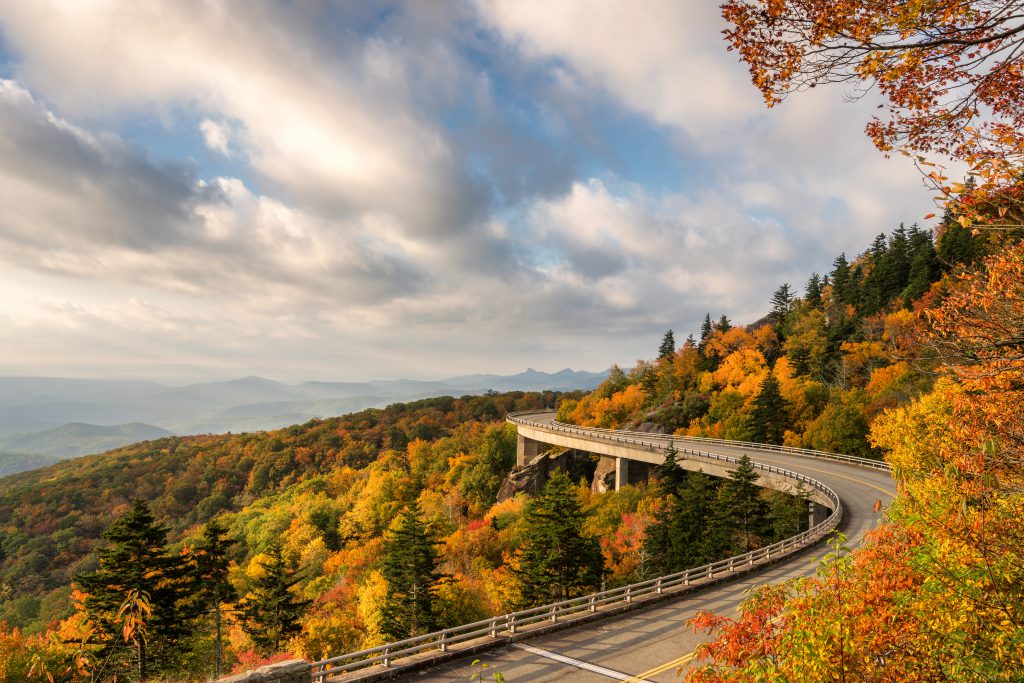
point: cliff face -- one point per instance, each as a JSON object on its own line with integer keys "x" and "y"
{"x": 531, "y": 477}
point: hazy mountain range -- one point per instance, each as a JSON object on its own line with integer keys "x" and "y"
{"x": 46, "y": 419}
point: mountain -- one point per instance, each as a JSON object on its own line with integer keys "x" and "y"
{"x": 20, "y": 452}
{"x": 59, "y": 417}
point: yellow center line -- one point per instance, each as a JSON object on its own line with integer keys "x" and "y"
{"x": 664, "y": 667}
{"x": 834, "y": 474}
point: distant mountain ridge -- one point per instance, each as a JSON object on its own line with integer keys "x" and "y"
{"x": 49, "y": 417}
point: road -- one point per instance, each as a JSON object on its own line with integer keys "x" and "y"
{"x": 651, "y": 644}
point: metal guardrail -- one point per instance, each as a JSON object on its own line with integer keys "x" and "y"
{"x": 502, "y": 627}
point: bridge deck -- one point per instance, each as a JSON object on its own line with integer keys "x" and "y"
{"x": 651, "y": 644}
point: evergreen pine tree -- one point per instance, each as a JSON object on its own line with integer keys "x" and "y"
{"x": 782, "y": 302}
{"x": 723, "y": 325}
{"x": 924, "y": 265}
{"x": 670, "y": 475}
{"x": 740, "y": 499}
{"x": 135, "y": 567}
{"x": 409, "y": 564}
{"x": 668, "y": 346}
{"x": 706, "y": 330}
{"x": 813, "y": 290}
{"x": 788, "y": 512}
{"x": 690, "y": 342}
{"x": 212, "y": 588}
{"x": 556, "y": 560}
{"x": 840, "y": 278}
{"x": 695, "y": 538}
{"x": 769, "y": 418}
{"x": 270, "y": 612}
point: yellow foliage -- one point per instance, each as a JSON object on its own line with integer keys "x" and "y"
{"x": 370, "y": 599}
{"x": 742, "y": 370}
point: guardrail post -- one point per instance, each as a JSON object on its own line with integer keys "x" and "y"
{"x": 444, "y": 642}
{"x": 593, "y": 603}
{"x": 494, "y": 628}
{"x": 657, "y": 586}
{"x": 387, "y": 658}
{"x": 554, "y": 614}
{"x": 629, "y": 594}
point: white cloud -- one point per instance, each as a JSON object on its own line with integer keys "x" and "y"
{"x": 384, "y": 239}
{"x": 217, "y": 136}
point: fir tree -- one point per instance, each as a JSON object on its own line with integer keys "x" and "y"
{"x": 813, "y": 290}
{"x": 556, "y": 560}
{"x": 136, "y": 571}
{"x": 270, "y": 612}
{"x": 739, "y": 498}
{"x": 670, "y": 475}
{"x": 212, "y": 588}
{"x": 668, "y": 346}
{"x": 924, "y": 265}
{"x": 696, "y": 537}
{"x": 770, "y": 417}
{"x": 723, "y": 325}
{"x": 706, "y": 330}
{"x": 787, "y": 513}
{"x": 782, "y": 302}
{"x": 840, "y": 278}
{"x": 409, "y": 564}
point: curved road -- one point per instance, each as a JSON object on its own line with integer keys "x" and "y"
{"x": 651, "y": 644}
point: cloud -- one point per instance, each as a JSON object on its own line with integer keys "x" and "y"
{"x": 415, "y": 189}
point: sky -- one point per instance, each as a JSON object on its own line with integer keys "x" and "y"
{"x": 346, "y": 191}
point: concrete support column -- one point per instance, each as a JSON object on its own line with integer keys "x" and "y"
{"x": 621, "y": 472}
{"x": 817, "y": 513}
{"x": 526, "y": 450}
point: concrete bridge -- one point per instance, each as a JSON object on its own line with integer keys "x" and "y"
{"x": 605, "y": 635}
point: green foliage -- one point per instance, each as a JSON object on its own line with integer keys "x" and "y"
{"x": 770, "y": 417}
{"x": 270, "y": 612}
{"x": 494, "y": 459}
{"x": 668, "y": 346}
{"x": 740, "y": 499}
{"x": 135, "y": 562}
{"x": 409, "y": 564}
{"x": 556, "y": 560}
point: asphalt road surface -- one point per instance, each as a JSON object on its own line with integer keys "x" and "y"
{"x": 654, "y": 643}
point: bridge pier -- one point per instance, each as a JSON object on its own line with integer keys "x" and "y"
{"x": 817, "y": 513}
{"x": 630, "y": 472}
{"x": 526, "y": 450}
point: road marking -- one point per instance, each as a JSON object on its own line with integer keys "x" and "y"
{"x": 834, "y": 474}
{"x": 610, "y": 673}
{"x": 664, "y": 667}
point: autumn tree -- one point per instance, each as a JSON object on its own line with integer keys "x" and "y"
{"x": 557, "y": 559}
{"x": 270, "y": 611}
{"x": 138, "y": 589}
{"x": 409, "y": 564}
{"x": 950, "y": 72}
{"x": 212, "y": 589}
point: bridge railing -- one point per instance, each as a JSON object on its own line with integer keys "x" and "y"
{"x": 503, "y": 628}
{"x": 519, "y": 417}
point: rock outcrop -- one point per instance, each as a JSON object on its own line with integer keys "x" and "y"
{"x": 531, "y": 477}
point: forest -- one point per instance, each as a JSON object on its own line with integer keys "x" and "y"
{"x": 386, "y": 523}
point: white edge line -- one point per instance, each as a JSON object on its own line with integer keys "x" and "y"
{"x": 610, "y": 673}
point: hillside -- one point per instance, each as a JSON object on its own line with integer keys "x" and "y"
{"x": 34, "y": 404}
{"x": 50, "y": 518}
{"x": 77, "y": 438}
